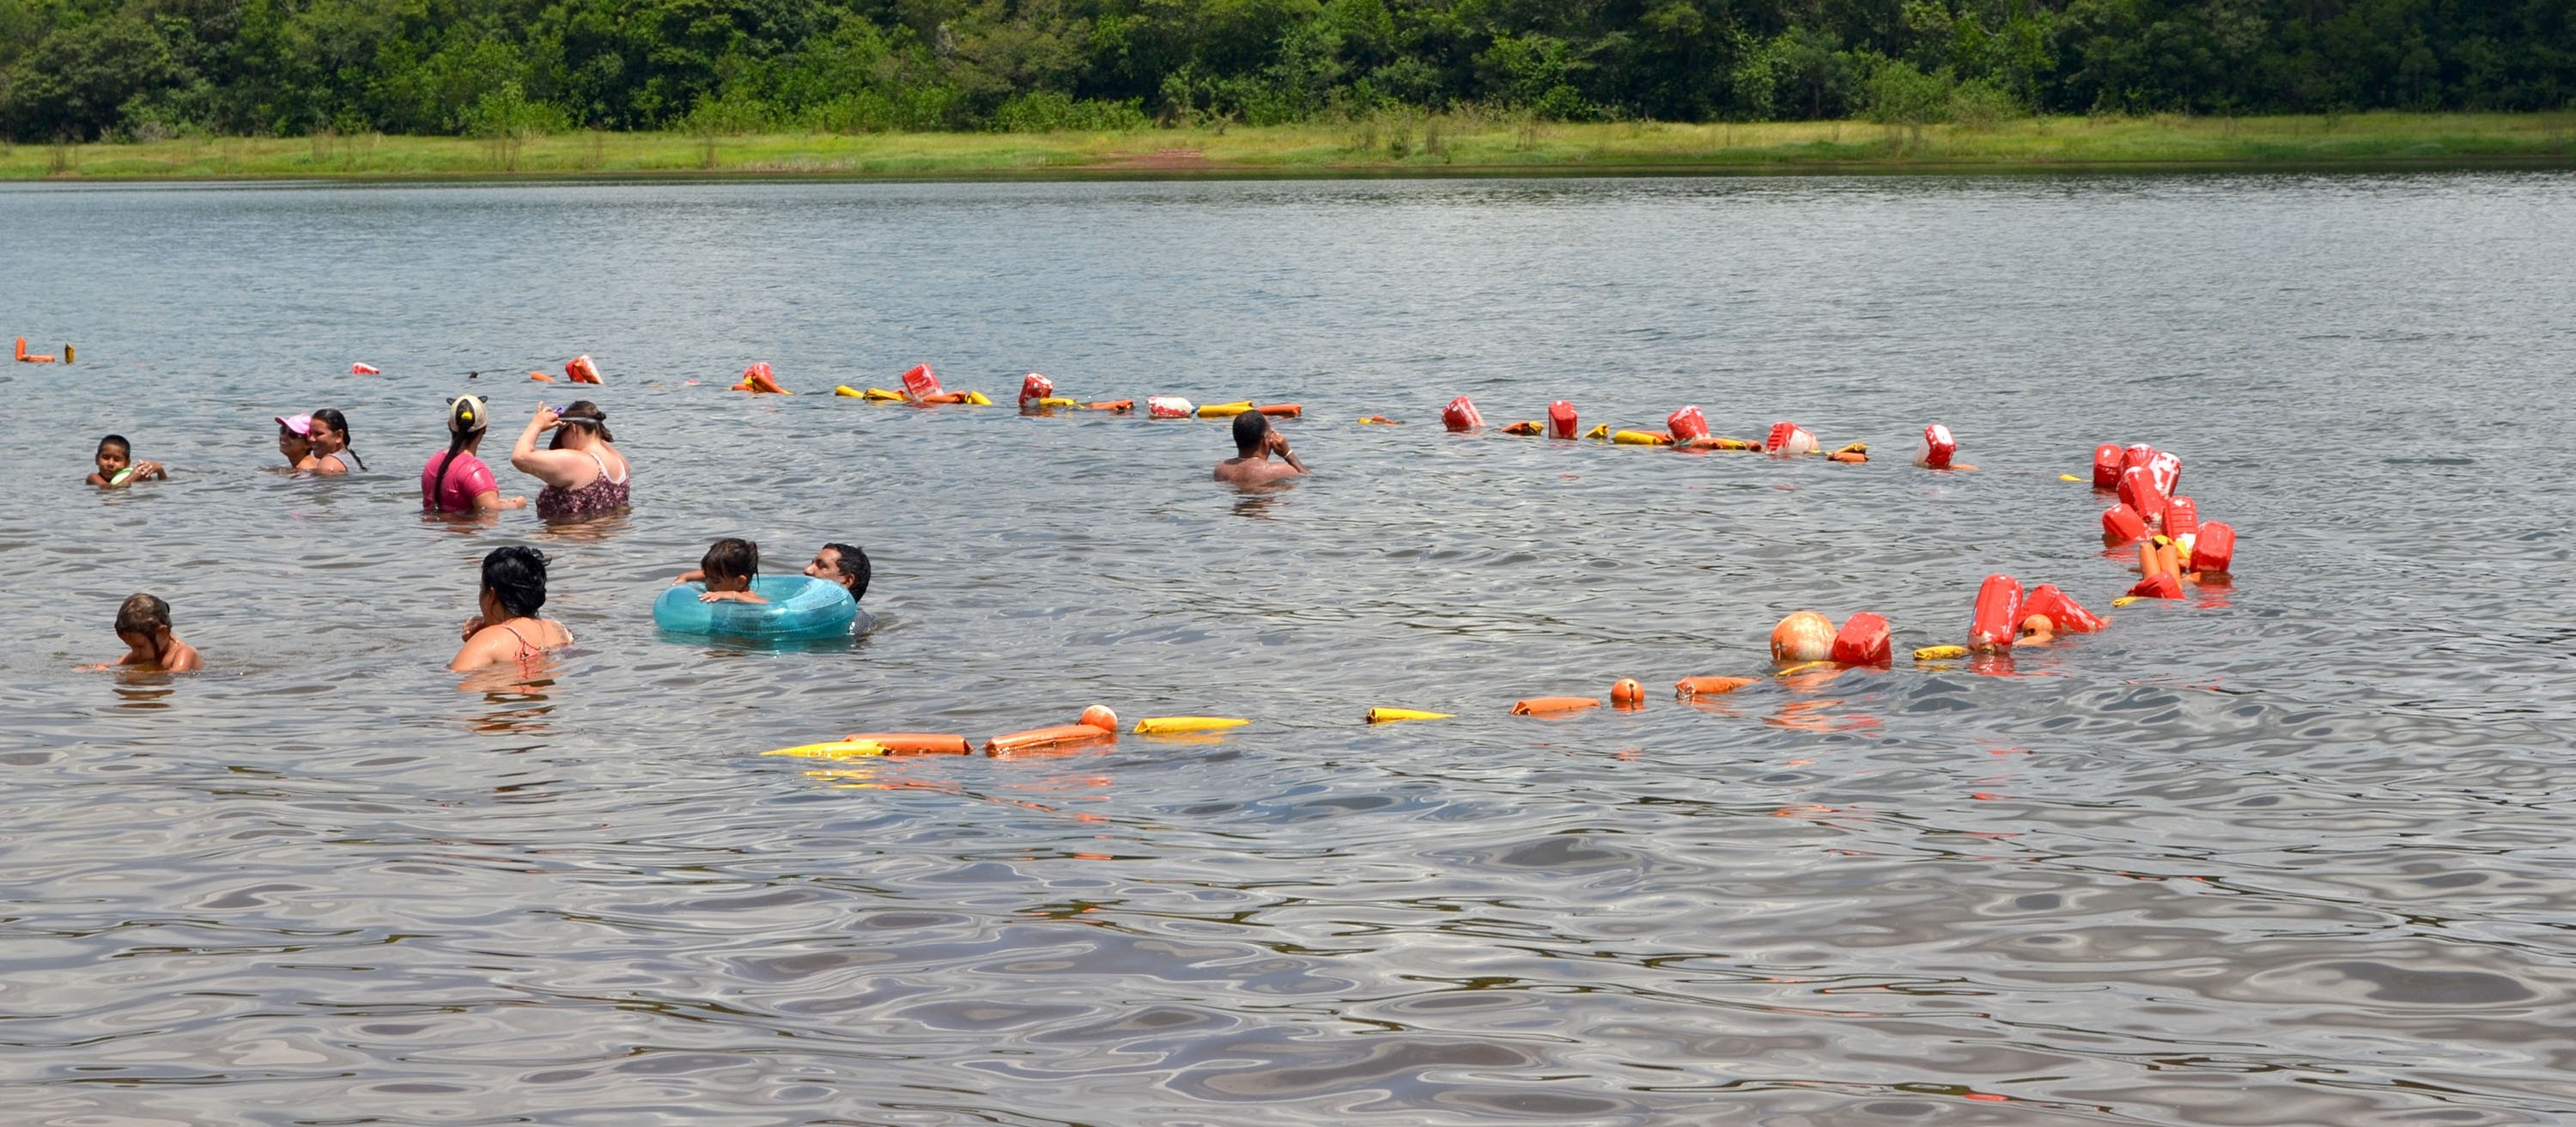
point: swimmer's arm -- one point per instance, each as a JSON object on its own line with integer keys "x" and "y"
{"x": 730, "y": 597}
{"x": 692, "y": 575}
{"x": 185, "y": 660}
{"x": 1279, "y": 446}
{"x": 153, "y": 470}
{"x": 490, "y": 501}
{"x": 484, "y": 648}
{"x": 330, "y": 464}
{"x": 95, "y": 478}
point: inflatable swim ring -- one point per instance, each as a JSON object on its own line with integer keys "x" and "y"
{"x": 798, "y": 606}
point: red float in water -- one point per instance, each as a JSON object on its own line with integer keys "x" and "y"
{"x": 1034, "y": 387}
{"x": 1862, "y": 640}
{"x": 1937, "y": 448}
{"x": 1787, "y": 439}
{"x": 1461, "y": 415}
{"x": 354, "y": 369}
{"x": 2065, "y": 615}
{"x": 2136, "y": 455}
{"x": 2182, "y": 517}
{"x": 1687, "y": 424}
{"x": 2165, "y": 469}
{"x": 1998, "y": 613}
{"x": 1560, "y": 419}
{"x": 2138, "y": 491}
{"x": 2106, "y": 466}
{"x": 920, "y": 383}
{"x": 2121, "y": 524}
{"x": 2162, "y": 585}
{"x": 2215, "y": 548}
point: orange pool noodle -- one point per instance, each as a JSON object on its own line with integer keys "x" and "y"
{"x": 914, "y": 743}
{"x": 1282, "y": 410}
{"x": 1056, "y": 736}
{"x": 1121, "y": 406}
{"x": 541, "y": 377}
{"x": 1536, "y": 705}
{"x": 1710, "y": 686}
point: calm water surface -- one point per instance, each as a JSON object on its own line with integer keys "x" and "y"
{"x": 2292, "y": 852}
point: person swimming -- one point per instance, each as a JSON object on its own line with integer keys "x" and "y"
{"x": 1255, "y": 440}
{"x": 585, "y": 475}
{"x": 143, "y": 624}
{"x": 117, "y": 467}
{"x": 295, "y": 440}
{"x": 505, "y": 626}
{"x": 458, "y": 481}
{"x": 329, "y": 433}
{"x": 728, "y": 569}
{"x": 841, "y": 563}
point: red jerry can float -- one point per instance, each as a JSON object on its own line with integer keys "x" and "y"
{"x": 1461, "y": 415}
{"x": 1998, "y": 614}
{"x": 1687, "y": 424}
{"x": 1862, "y": 640}
{"x": 1560, "y": 419}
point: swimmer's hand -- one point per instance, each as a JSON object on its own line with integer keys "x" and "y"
{"x": 149, "y": 469}
{"x": 514, "y": 503}
{"x": 692, "y": 575}
{"x": 545, "y": 419}
{"x": 473, "y": 626}
{"x": 730, "y": 597}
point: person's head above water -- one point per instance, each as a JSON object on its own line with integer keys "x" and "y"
{"x": 1251, "y": 429}
{"x": 329, "y": 430}
{"x": 142, "y": 616}
{"x": 294, "y": 437}
{"x": 466, "y": 414}
{"x": 581, "y": 421}
{"x": 730, "y": 564}
{"x": 114, "y": 453}
{"x": 844, "y": 564}
{"x": 515, "y": 578}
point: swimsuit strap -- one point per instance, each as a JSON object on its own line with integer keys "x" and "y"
{"x": 526, "y": 651}
{"x": 603, "y": 467}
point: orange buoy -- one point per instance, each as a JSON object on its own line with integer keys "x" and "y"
{"x": 1936, "y": 449}
{"x": 1789, "y": 440}
{"x": 1687, "y": 424}
{"x": 914, "y": 743}
{"x": 1854, "y": 453}
{"x": 22, "y": 349}
{"x": 1282, "y": 410}
{"x": 1115, "y": 406}
{"x": 1034, "y": 387}
{"x": 757, "y": 378}
{"x": 2182, "y": 517}
{"x": 1862, "y": 641}
{"x": 2064, "y": 614}
{"x": 1461, "y": 414}
{"x": 1711, "y": 686}
{"x": 2121, "y": 524}
{"x": 921, "y": 382}
{"x": 1099, "y": 716}
{"x": 1801, "y": 637}
{"x": 363, "y": 370}
{"x": 1560, "y": 419}
{"x": 1524, "y": 427}
{"x": 2106, "y": 466}
{"x": 2215, "y": 548}
{"x": 2138, "y": 491}
{"x": 579, "y": 369}
{"x": 1534, "y": 706}
{"x": 1997, "y": 615}
{"x": 540, "y": 377}
{"x": 1056, "y": 736}
{"x": 1627, "y": 693}
{"x": 2161, "y": 585}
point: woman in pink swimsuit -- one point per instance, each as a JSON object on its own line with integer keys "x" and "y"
{"x": 508, "y": 629}
{"x": 585, "y": 476}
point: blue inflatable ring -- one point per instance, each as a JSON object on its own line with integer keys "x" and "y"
{"x": 798, "y": 606}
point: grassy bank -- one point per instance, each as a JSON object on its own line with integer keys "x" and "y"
{"x": 1387, "y": 145}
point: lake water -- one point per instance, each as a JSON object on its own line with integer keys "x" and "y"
{"x": 2295, "y": 851}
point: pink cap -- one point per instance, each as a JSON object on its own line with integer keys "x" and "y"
{"x": 300, "y": 424}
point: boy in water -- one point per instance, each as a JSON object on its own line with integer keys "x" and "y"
{"x": 729, "y": 567}
{"x": 143, "y": 624}
{"x": 117, "y": 467}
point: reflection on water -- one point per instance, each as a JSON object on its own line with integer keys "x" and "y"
{"x": 2288, "y": 852}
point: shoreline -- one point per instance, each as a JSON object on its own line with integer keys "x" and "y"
{"x": 1415, "y": 147}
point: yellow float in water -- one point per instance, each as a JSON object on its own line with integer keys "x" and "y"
{"x": 1224, "y": 410}
{"x": 1059, "y": 401}
{"x": 1601, "y": 431}
{"x": 1174, "y": 725}
{"x": 1641, "y": 438}
{"x": 1940, "y": 653}
{"x": 1386, "y": 715}
{"x": 837, "y": 749}
{"x": 978, "y": 399}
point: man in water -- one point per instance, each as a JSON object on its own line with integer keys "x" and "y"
{"x": 844, "y": 564}
{"x": 1254, "y": 442}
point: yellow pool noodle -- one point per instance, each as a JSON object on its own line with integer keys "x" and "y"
{"x": 1173, "y": 725}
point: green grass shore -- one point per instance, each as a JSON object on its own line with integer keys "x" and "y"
{"x": 1390, "y": 145}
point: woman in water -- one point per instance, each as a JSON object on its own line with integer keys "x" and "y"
{"x": 457, "y": 481}
{"x": 295, "y": 440}
{"x": 585, "y": 476}
{"x": 508, "y": 629}
{"x": 329, "y": 433}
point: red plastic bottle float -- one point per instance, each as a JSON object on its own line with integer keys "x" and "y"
{"x": 1862, "y": 641}
{"x": 1460, "y": 415}
{"x": 1687, "y": 424}
{"x": 1169, "y": 407}
{"x": 354, "y": 369}
{"x": 1998, "y": 614}
{"x": 2121, "y": 524}
{"x": 579, "y": 369}
{"x": 2106, "y": 466}
{"x": 2064, "y": 614}
{"x": 2215, "y": 549}
{"x": 1034, "y": 387}
{"x": 921, "y": 383}
{"x": 2136, "y": 454}
{"x": 2161, "y": 585}
{"x": 2138, "y": 491}
{"x": 1560, "y": 420}
{"x": 2164, "y": 468}
{"x": 1803, "y": 636}
{"x": 1789, "y": 440}
{"x": 1936, "y": 449}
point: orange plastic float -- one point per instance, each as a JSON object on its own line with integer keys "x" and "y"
{"x": 1714, "y": 442}
{"x": 921, "y": 383}
{"x": 1113, "y": 406}
{"x": 1687, "y": 424}
{"x": 1560, "y": 419}
{"x": 1998, "y": 613}
{"x": 1537, "y": 706}
{"x": 541, "y": 377}
{"x": 2064, "y": 614}
{"x": 2121, "y": 524}
{"x": 757, "y": 378}
{"x": 1380, "y": 420}
{"x": 2138, "y": 491}
{"x": 1281, "y": 410}
{"x": 1862, "y": 641}
{"x": 1460, "y": 415}
{"x": 1936, "y": 449}
{"x": 1803, "y": 636}
{"x": 1711, "y": 686}
{"x": 2106, "y": 466}
{"x": 579, "y": 369}
{"x": 1789, "y": 440}
{"x": 1527, "y": 427}
{"x": 914, "y": 743}
{"x": 26, "y": 357}
{"x": 2161, "y": 585}
{"x": 1855, "y": 453}
{"x": 2215, "y": 549}
{"x": 1627, "y": 693}
{"x": 1099, "y": 716}
{"x": 1097, "y": 723}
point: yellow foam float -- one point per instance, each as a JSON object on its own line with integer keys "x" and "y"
{"x": 836, "y": 749}
{"x": 1175, "y": 725}
{"x": 1390, "y": 715}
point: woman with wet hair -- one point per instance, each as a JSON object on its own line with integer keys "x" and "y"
{"x": 585, "y": 476}
{"x": 328, "y": 432}
{"x": 507, "y": 628}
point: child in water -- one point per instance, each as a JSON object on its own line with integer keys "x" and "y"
{"x": 143, "y": 624}
{"x": 117, "y": 467}
{"x": 729, "y": 567}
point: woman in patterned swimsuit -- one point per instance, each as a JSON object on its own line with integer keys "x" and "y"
{"x": 585, "y": 476}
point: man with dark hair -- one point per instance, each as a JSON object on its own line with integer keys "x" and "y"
{"x": 1255, "y": 440}
{"x": 844, "y": 564}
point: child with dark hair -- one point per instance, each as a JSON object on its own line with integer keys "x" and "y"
{"x": 117, "y": 467}
{"x": 507, "y": 627}
{"x": 143, "y": 624}
{"x": 728, "y": 568}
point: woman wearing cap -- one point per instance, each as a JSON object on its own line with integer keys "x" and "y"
{"x": 329, "y": 431}
{"x": 585, "y": 476}
{"x": 294, "y": 439}
{"x": 457, "y": 481}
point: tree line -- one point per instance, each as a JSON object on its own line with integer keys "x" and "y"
{"x": 148, "y": 69}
